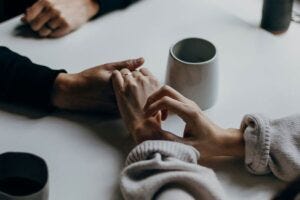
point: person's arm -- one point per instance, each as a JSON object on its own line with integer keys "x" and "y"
{"x": 272, "y": 146}
{"x": 157, "y": 169}
{"x": 267, "y": 145}
{"x": 110, "y": 5}
{"x": 57, "y": 18}
{"x": 23, "y": 81}
{"x": 90, "y": 90}
{"x": 167, "y": 170}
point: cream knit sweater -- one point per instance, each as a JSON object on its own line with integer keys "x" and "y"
{"x": 169, "y": 170}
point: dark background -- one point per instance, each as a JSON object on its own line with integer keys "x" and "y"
{"x": 12, "y": 8}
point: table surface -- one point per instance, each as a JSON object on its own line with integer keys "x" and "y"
{"x": 259, "y": 72}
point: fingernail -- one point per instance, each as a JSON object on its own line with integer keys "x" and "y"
{"x": 139, "y": 60}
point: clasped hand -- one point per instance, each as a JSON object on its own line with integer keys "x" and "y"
{"x": 143, "y": 104}
{"x": 91, "y": 89}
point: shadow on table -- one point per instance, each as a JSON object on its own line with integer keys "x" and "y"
{"x": 234, "y": 172}
{"x": 23, "y": 30}
{"x": 105, "y": 127}
{"x": 27, "y": 111}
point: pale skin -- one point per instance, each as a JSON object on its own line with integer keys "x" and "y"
{"x": 90, "y": 90}
{"x": 200, "y": 132}
{"x": 132, "y": 91}
{"x": 142, "y": 105}
{"x": 57, "y": 18}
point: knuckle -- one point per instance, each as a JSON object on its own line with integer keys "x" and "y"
{"x": 57, "y": 12}
{"x": 106, "y": 65}
{"x": 42, "y": 34}
{"x": 47, "y": 3}
{"x": 34, "y": 26}
{"x": 194, "y": 113}
{"x": 133, "y": 86}
{"x": 153, "y": 80}
{"x": 165, "y": 88}
{"x": 150, "y": 100}
{"x": 141, "y": 78}
{"x": 127, "y": 63}
{"x": 165, "y": 100}
{"x": 114, "y": 74}
{"x": 54, "y": 12}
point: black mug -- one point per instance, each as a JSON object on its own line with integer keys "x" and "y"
{"x": 23, "y": 176}
{"x": 276, "y": 15}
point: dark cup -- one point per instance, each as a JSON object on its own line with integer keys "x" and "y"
{"x": 276, "y": 15}
{"x": 23, "y": 176}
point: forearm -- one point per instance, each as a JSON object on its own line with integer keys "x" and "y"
{"x": 25, "y": 82}
{"x": 154, "y": 167}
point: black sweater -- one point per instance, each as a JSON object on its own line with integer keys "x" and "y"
{"x": 22, "y": 81}
{"x": 25, "y": 82}
{"x": 109, "y": 5}
{"x": 13, "y": 8}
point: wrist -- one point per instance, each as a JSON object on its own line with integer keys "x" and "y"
{"x": 147, "y": 129}
{"x": 232, "y": 143}
{"x": 61, "y": 87}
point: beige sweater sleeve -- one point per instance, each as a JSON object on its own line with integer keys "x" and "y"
{"x": 272, "y": 146}
{"x": 167, "y": 170}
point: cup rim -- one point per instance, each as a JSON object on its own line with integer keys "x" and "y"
{"x": 193, "y": 63}
{"x": 44, "y": 186}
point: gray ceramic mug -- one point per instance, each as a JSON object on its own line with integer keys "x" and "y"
{"x": 193, "y": 71}
{"x": 23, "y": 176}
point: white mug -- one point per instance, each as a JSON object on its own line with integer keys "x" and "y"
{"x": 23, "y": 176}
{"x": 193, "y": 71}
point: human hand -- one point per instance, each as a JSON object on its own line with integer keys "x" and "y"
{"x": 132, "y": 91}
{"x": 200, "y": 132}
{"x": 56, "y": 18}
{"x": 91, "y": 89}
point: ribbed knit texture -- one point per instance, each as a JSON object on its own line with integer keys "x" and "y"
{"x": 272, "y": 146}
{"x": 166, "y": 149}
{"x": 169, "y": 168}
{"x": 156, "y": 166}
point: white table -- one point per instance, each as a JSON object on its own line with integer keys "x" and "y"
{"x": 259, "y": 73}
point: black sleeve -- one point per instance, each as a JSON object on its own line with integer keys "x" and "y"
{"x": 110, "y": 5}
{"x": 22, "y": 81}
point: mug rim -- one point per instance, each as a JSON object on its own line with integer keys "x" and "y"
{"x": 45, "y": 184}
{"x": 193, "y": 63}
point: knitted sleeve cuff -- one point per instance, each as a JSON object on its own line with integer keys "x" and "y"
{"x": 257, "y": 143}
{"x": 166, "y": 148}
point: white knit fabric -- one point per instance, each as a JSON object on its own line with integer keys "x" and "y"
{"x": 272, "y": 146}
{"x": 158, "y": 165}
{"x": 169, "y": 170}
